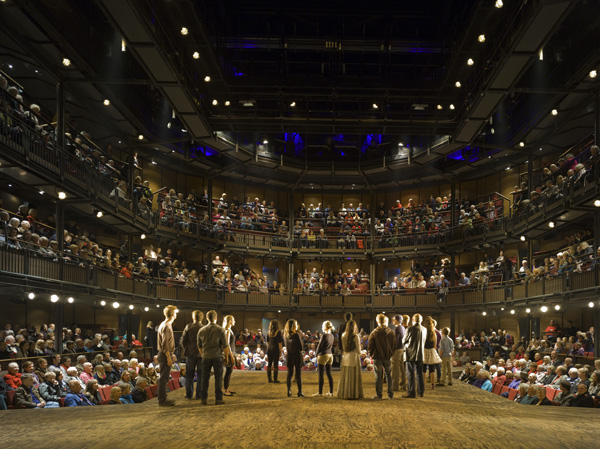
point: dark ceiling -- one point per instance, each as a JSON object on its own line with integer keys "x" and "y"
{"x": 327, "y": 94}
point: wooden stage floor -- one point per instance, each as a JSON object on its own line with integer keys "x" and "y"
{"x": 261, "y": 416}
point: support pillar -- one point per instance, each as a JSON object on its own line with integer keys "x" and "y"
{"x": 129, "y": 328}
{"x": 59, "y": 319}
{"x": 597, "y": 120}
{"x": 452, "y": 270}
{"x": 452, "y": 325}
{"x": 60, "y": 225}
{"x": 60, "y": 122}
{"x": 596, "y": 323}
{"x": 530, "y": 175}
{"x": 209, "y": 268}
{"x": 291, "y": 280}
{"x": 452, "y": 204}
{"x": 529, "y": 254}
{"x": 291, "y": 217}
{"x": 210, "y": 203}
{"x": 130, "y": 247}
{"x": 372, "y": 269}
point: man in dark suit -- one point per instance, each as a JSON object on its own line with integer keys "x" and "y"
{"x": 193, "y": 361}
{"x": 414, "y": 349}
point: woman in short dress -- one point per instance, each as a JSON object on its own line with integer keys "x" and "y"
{"x": 350, "y": 384}
{"x": 432, "y": 358}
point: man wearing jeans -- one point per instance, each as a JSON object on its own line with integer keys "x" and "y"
{"x": 211, "y": 345}
{"x": 446, "y": 349}
{"x": 381, "y": 348}
{"x": 398, "y": 367}
{"x": 414, "y": 350}
{"x": 166, "y": 347}
{"x": 193, "y": 361}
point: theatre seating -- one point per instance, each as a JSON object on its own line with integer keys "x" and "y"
{"x": 551, "y": 393}
{"x": 512, "y": 394}
{"x": 504, "y": 389}
{"x": 497, "y": 389}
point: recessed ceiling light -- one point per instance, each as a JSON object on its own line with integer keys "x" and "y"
{"x": 227, "y": 102}
{"x": 70, "y": 300}
{"x": 123, "y": 45}
{"x": 62, "y": 195}
{"x": 130, "y": 306}
{"x": 10, "y": 66}
{"x": 196, "y": 55}
{"x": 557, "y": 307}
{"x": 293, "y": 104}
{"x": 597, "y": 203}
{"x": 551, "y": 225}
{"x": 544, "y": 309}
{"x": 523, "y": 238}
{"x": 554, "y": 111}
{"x": 512, "y": 312}
{"x": 528, "y": 310}
{"x": 106, "y": 102}
{"x": 154, "y": 162}
{"x": 481, "y": 38}
{"x": 470, "y": 61}
{"x": 102, "y": 303}
{"x": 146, "y": 308}
{"x": 440, "y": 107}
{"x": 31, "y": 295}
{"x": 115, "y": 305}
{"x": 169, "y": 125}
{"x": 484, "y": 313}
{"x": 183, "y": 130}
{"x": 207, "y": 79}
{"x": 215, "y": 102}
{"x": 54, "y": 298}
{"x": 457, "y": 84}
{"x": 42, "y": 192}
{"x": 375, "y": 106}
{"x": 590, "y": 304}
{"x": 184, "y": 31}
{"x": 499, "y": 4}
{"x": 265, "y": 142}
{"x": 400, "y": 144}
{"x": 141, "y": 137}
{"x": 451, "y": 107}
{"x": 593, "y": 74}
{"x": 143, "y": 236}
{"x": 521, "y": 144}
{"x": 99, "y": 214}
{"x": 66, "y": 62}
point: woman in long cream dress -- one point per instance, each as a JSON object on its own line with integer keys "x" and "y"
{"x": 350, "y": 384}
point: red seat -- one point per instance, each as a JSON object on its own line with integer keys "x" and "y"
{"x": 105, "y": 392}
{"x": 504, "y": 389}
{"x": 175, "y": 374}
{"x": 512, "y": 394}
{"x": 551, "y": 393}
{"x": 149, "y": 392}
{"x": 173, "y": 385}
{"x": 61, "y": 402}
{"x": 10, "y": 398}
{"x": 154, "y": 389}
{"x": 497, "y": 388}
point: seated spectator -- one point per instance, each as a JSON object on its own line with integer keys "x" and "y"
{"x": 72, "y": 375}
{"x": 464, "y": 280}
{"x": 50, "y": 389}
{"x": 115, "y": 396}
{"x": 541, "y": 395}
{"x": 564, "y": 398}
{"x": 125, "y": 393}
{"x": 87, "y": 373}
{"x": 41, "y": 369}
{"x": 487, "y": 380}
{"x": 532, "y": 397}
{"x": 75, "y": 398}
{"x": 91, "y": 392}
{"x": 583, "y": 397}
{"x": 522, "y": 394}
{"x": 29, "y": 397}
{"x": 500, "y": 378}
{"x": 139, "y": 394}
{"x": 13, "y": 377}
{"x": 574, "y": 379}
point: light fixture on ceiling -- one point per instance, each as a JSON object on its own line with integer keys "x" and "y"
{"x": 528, "y": 310}
{"x": 141, "y": 137}
{"x": 440, "y": 107}
{"x": 115, "y": 305}
{"x": 521, "y": 144}
{"x": 512, "y": 312}
{"x": 62, "y": 196}
{"x": 215, "y": 102}
{"x": 597, "y": 203}
{"x": 146, "y": 308}
{"x": 499, "y": 4}
{"x": 42, "y": 192}
{"x": 143, "y": 236}
{"x": 99, "y": 214}
{"x": 593, "y": 73}
{"x": 169, "y": 125}
{"x": 375, "y": 106}
{"x": 557, "y": 307}
{"x": 66, "y": 62}
{"x": 265, "y": 142}
{"x": 130, "y": 306}
{"x": 123, "y": 45}
{"x": 293, "y": 104}
{"x": 451, "y": 107}
{"x": 523, "y": 238}
{"x": 400, "y": 144}
{"x": 196, "y": 55}
{"x": 70, "y": 300}
{"x": 492, "y": 130}
{"x": 481, "y": 38}
{"x": 457, "y": 84}
{"x": 554, "y": 111}
{"x": 551, "y": 225}
{"x": 31, "y": 295}
{"x": 541, "y": 54}
{"x": 54, "y": 298}
{"x": 543, "y": 309}
{"x": 102, "y": 303}
{"x": 154, "y": 162}
{"x": 590, "y": 304}
{"x": 106, "y": 102}
{"x": 207, "y": 79}
{"x": 470, "y": 61}
{"x": 227, "y": 103}
{"x": 184, "y": 31}
{"x": 484, "y": 313}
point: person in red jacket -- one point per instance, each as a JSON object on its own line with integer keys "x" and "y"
{"x": 13, "y": 377}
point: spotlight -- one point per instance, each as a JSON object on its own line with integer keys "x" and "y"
{"x": 484, "y": 313}
{"x": 557, "y": 307}
{"x": 457, "y": 84}
{"x": 123, "y": 45}
{"x": 523, "y": 238}
{"x": 141, "y": 137}
{"x": 597, "y": 203}
{"x": 521, "y": 144}
{"x": 154, "y": 162}
{"x": 481, "y": 38}
{"x": 227, "y": 102}
{"x": 551, "y": 225}
{"x": 115, "y": 305}
{"x": 54, "y": 298}
{"x": 169, "y": 125}
{"x": 554, "y": 111}
{"x": 106, "y": 102}
{"x": 470, "y": 61}
{"x": 279, "y": 311}
{"x": 593, "y": 74}
{"x": 375, "y": 106}
{"x": 71, "y": 300}
{"x": 143, "y": 236}
{"x": 492, "y": 130}
{"x": 196, "y": 55}
{"x": 31, "y": 295}
{"x": 512, "y": 312}
{"x": 440, "y": 107}
{"x": 544, "y": 309}
{"x": 590, "y": 304}
{"x": 66, "y": 62}
{"x": 62, "y": 195}
{"x": 541, "y": 54}
{"x": 130, "y": 306}
{"x": 146, "y": 308}
{"x": 99, "y": 214}
{"x": 293, "y": 104}
{"x": 265, "y": 142}
{"x": 451, "y": 107}
{"x": 207, "y": 79}
{"x": 42, "y": 192}
{"x": 215, "y": 102}
{"x": 400, "y": 144}
{"x": 528, "y": 310}
{"x": 102, "y": 303}
{"x": 157, "y": 306}
{"x": 184, "y": 31}
{"x": 499, "y": 4}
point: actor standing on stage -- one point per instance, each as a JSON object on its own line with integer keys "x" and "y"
{"x": 212, "y": 344}
{"x": 166, "y": 347}
{"x": 398, "y": 367}
{"x": 414, "y": 350}
{"x": 193, "y": 361}
{"x": 381, "y": 348}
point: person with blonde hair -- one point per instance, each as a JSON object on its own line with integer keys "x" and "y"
{"x": 166, "y": 348}
{"x": 431, "y": 358}
{"x": 325, "y": 358}
{"x": 350, "y": 384}
{"x": 381, "y": 349}
{"x": 115, "y": 395}
{"x": 274, "y": 348}
{"x": 228, "y": 323}
{"x": 293, "y": 343}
